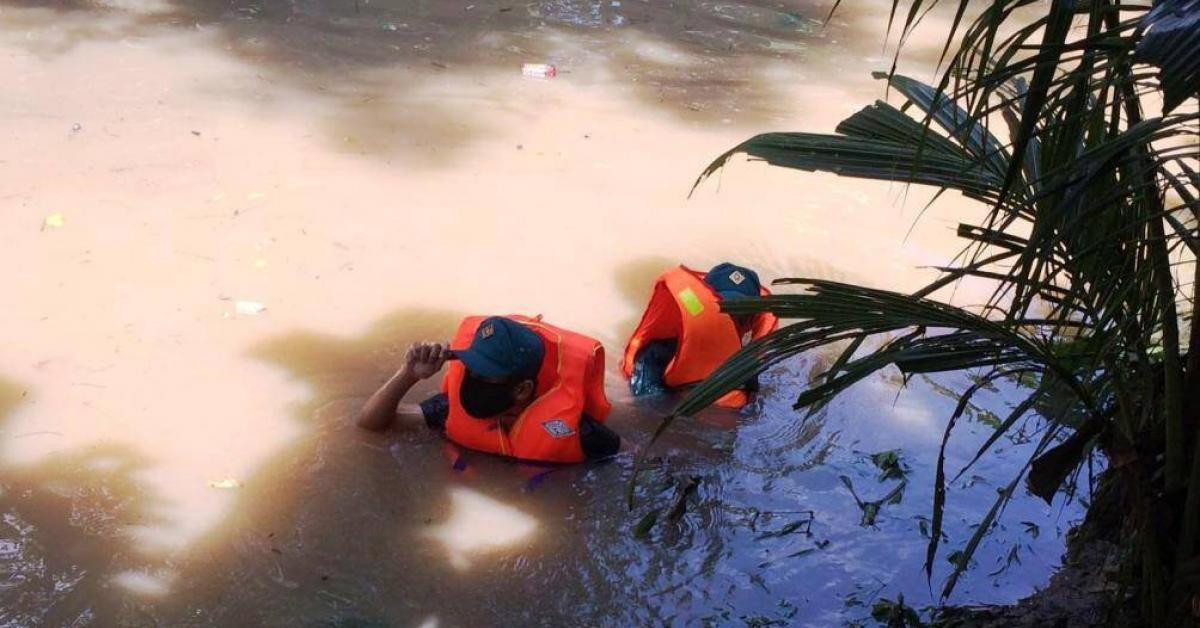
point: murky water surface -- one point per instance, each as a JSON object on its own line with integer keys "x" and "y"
{"x": 370, "y": 171}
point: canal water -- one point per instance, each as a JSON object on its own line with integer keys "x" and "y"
{"x": 221, "y": 223}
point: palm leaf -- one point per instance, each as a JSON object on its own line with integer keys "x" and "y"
{"x": 1172, "y": 42}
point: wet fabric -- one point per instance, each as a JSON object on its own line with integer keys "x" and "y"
{"x": 685, "y": 309}
{"x": 570, "y": 383}
{"x": 597, "y": 439}
{"x": 650, "y": 366}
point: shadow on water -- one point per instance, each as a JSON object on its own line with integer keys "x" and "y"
{"x": 345, "y": 527}
{"x": 318, "y": 530}
{"x": 349, "y": 528}
{"x": 382, "y": 67}
{"x": 635, "y": 282}
{"x": 339, "y": 369}
{"x": 68, "y": 526}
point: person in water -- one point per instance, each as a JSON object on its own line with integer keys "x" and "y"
{"x": 515, "y": 386}
{"x": 683, "y": 335}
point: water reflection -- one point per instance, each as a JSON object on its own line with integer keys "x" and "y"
{"x": 756, "y": 523}
{"x": 478, "y": 524}
{"x": 65, "y": 530}
{"x": 220, "y": 155}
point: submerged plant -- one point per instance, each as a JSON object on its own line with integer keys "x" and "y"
{"x": 1090, "y": 242}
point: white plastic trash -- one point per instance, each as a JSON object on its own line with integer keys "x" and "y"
{"x": 539, "y": 70}
{"x": 249, "y": 308}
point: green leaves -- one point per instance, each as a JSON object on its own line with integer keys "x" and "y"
{"x": 645, "y": 524}
{"x": 895, "y": 614}
{"x": 1048, "y": 471}
{"x": 878, "y": 142}
{"x": 1172, "y": 42}
{"x": 891, "y": 466}
{"x": 1088, "y": 260}
{"x": 870, "y": 509}
{"x": 831, "y": 311}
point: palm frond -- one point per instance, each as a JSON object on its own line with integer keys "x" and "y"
{"x": 1172, "y": 42}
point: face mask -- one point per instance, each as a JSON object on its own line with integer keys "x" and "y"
{"x": 484, "y": 400}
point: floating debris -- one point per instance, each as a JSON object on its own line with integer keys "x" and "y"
{"x": 643, "y": 527}
{"x": 891, "y": 466}
{"x": 249, "y": 308}
{"x": 683, "y": 489}
{"x": 539, "y": 70}
{"x": 53, "y": 221}
{"x": 803, "y": 525}
{"x": 870, "y": 510}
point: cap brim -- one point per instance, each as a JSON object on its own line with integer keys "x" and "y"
{"x": 730, "y": 295}
{"x": 479, "y": 364}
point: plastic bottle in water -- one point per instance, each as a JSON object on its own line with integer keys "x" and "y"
{"x": 539, "y": 70}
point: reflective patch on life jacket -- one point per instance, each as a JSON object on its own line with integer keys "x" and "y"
{"x": 557, "y": 428}
{"x": 691, "y": 302}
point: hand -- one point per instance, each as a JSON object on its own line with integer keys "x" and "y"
{"x": 424, "y": 359}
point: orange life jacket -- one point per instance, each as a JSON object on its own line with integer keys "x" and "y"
{"x": 569, "y": 385}
{"x": 687, "y": 310}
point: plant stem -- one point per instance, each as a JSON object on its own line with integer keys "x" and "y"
{"x": 1165, "y": 285}
{"x": 1172, "y": 377}
{"x": 1191, "y": 509}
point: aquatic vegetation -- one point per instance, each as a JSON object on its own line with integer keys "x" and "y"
{"x": 1090, "y": 240}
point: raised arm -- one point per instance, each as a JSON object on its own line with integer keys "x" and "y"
{"x": 423, "y": 360}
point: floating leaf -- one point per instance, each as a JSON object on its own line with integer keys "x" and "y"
{"x": 643, "y": 527}
{"x": 1013, "y": 557}
{"x": 804, "y": 552}
{"x": 895, "y": 613}
{"x": 800, "y": 524}
{"x": 891, "y": 466}
{"x": 682, "y": 491}
{"x": 870, "y": 510}
{"x": 53, "y": 221}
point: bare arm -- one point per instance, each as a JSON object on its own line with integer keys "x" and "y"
{"x": 423, "y": 360}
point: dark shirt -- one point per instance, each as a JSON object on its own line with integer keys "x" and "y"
{"x": 596, "y": 439}
{"x": 650, "y": 365}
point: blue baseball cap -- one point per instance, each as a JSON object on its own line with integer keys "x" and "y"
{"x": 503, "y": 347}
{"x": 731, "y": 281}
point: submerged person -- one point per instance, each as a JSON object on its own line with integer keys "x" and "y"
{"x": 515, "y": 386}
{"x": 683, "y": 335}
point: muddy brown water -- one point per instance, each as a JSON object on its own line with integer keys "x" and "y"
{"x": 370, "y": 172}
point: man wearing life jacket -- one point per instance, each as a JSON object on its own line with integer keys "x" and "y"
{"x": 515, "y": 386}
{"x": 683, "y": 336}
